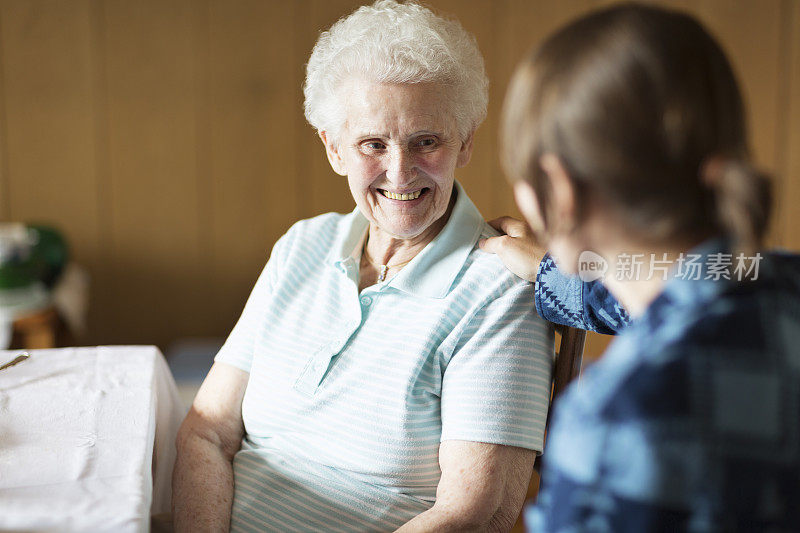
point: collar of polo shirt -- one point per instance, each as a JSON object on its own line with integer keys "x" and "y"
{"x": 432, "y": 272}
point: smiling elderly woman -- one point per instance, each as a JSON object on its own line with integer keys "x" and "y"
{"x": 385, "y": 373}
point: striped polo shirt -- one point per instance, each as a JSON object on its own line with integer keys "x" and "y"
{"x": 350, "y": 393}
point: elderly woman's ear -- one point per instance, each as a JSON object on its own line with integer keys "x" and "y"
{"x": 333, "y": 154}
{"x": 465, "y": 153}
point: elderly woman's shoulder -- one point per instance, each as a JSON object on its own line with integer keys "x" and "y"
{"x": 488, "y": 231}
{"x": 326, "y": 222}
{"x": 316, "y": 234}
{"x": 488, "y": 269}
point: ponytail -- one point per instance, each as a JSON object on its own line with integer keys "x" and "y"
{"x": 743, "y": 198}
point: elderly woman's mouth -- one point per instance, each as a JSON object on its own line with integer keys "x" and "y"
{"x": 413, "y": 195}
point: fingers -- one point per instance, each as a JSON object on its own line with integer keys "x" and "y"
{"x": 510, "y": 226}
{"x": 515, "y": 253}
{"x": 493, "y": 245}
{"x": 497, "y": 224}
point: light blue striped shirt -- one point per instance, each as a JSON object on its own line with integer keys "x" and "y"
{"x": 351, "y": 393}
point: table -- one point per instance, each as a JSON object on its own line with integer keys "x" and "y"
{"x": 86, "y": 439}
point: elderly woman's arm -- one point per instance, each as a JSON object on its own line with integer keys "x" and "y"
{"x": 211, "y": 434}
{"x": 482, "y": 488}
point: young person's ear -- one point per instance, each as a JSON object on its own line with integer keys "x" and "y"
{"x": 334, "y": 157}
{"x": 562, "y": 194}
{"x": 528, "y": 205}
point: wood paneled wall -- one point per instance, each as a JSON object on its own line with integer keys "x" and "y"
{"x": 166, "y": 138}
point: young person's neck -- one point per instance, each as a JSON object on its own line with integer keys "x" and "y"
{"x": 637, "y": 272}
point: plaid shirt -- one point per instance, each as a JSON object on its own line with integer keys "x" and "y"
{"x": 691, "y": 420}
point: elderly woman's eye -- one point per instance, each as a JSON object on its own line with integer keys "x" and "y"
{"x": 374, "y": 145}
{"x": 427, "y": 142}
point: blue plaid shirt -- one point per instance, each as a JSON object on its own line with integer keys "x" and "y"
{"x": 691, "y": 420}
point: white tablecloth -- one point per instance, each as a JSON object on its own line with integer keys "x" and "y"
{"x": 86, "y": 439}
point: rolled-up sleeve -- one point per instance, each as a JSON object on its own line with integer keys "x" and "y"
{"x": 569, "y": 301}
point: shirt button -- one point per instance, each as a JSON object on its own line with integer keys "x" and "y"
{"x": 366, "y": 300}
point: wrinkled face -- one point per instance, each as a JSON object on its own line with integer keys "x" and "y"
{"x": 399, "y": 149}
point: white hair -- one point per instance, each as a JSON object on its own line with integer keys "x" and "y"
{"x": 391, "y": 42}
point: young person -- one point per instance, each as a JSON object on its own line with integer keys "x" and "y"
{"x": 625, "y": 139}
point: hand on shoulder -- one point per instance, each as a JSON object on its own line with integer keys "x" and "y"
{"x": 517, "y": 247}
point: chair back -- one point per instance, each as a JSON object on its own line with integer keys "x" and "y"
{"x": 567, "y": 367}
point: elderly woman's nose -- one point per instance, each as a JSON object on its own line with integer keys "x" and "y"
{"x": 400, "y": 164}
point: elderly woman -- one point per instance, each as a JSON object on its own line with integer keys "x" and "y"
{"x": 385, "y": 373}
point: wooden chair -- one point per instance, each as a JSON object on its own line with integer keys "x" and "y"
{"x": 36, "y": 330}
{"x": 567, "y": 367}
